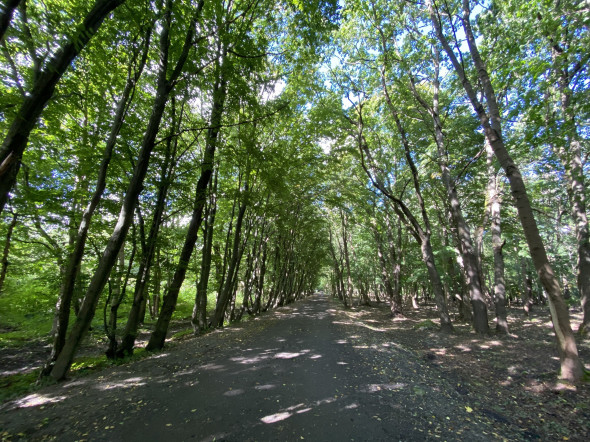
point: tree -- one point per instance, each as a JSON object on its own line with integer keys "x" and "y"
{"x": 46, "y": 79}
{"x": 74, "y": 260}
{"x": 165, "y": 84}
{"x": 491, "y": 121}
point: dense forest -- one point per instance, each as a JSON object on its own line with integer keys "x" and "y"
{"x": 211, "y": 160}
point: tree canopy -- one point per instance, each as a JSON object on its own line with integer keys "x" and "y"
{"x": 214, "y": 159}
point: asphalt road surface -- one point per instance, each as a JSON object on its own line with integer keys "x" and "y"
{"x": 307, "y": 371}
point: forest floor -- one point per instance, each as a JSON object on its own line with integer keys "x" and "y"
{"x": 314, "y": 370}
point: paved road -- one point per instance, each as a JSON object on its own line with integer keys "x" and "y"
{"x": 303, "y": 372}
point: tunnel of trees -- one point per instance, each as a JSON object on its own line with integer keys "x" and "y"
{"x": 214, "y": 159}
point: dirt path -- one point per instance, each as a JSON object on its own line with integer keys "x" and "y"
{"x": 302, "y": 372}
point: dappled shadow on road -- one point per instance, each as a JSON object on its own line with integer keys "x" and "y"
{"x": 311, "y": 370}
{"x": 249, "y": 379}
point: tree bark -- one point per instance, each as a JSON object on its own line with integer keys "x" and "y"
{"x": 158, "y": 336}
{"x": 565, "y": 69}
{"x": 388, "y": 282}
{"x": 199, "y": 316}
{"x": 6, "y": 251}
{"x": 226, "y": 292}
{"x": 6, "y": 15}
{"x": 17, "y": 137}
{"x": 473, "y": 278}
{"x": 137, "y": 311}
{"x": 118, "y": 295}
{"x": 261, "y": 275}
{"x": 349, "y": 285}
{"x": 339, "y": 283}
{"x": 74, "y": 261}
{"x": 155, "y": 300}
{"x": 571, "y": 366}
{"x": 497, "y": 245}
{"x": 164, "y": 87}
{"x": 571, "y": 158}
{"x": 421, "y": 235}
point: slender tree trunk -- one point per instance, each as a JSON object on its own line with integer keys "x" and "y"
{"x": 421, "y": 235}
{"x": 275, "y": 275}
{"x": 349, "y": 285}
{"x": 395, "y": 308}
{"x": 395, "y": 252}
{"x": 226, "y": 294}
{"x": 525, "y": 288}
{"x": 425, "y": 246}
{"x": 158, "y": 336}
{"x": 17, "y": 137}
{"x": 473, "y": 277}
{"x": 577, "y": 191}
{"x": 118, "y": 294}
{"x": 6, "y": 252}
{"x": 249, "y": 277}
{"x": 571, "y": 366}
{"x": 497, "y": 245}
{"x": 337, "y": 270}
{"x": 261, "y": 276}
{"x": 72, "y": 269}
{"x": 572, "y": 160}
{"x": 199, "y": 317}
{"x": 101, "y": 275}
{"x": 155, "y": 304}
{"x": 137, "y": 310}
{"x": 480, "y": 315}
{"x": 565, "y": 68}
{"x": 395, "y": 304}
{"x": 252, "y": 263}
{"x": 6, "y": 15}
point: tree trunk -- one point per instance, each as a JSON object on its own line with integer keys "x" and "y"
{"x": 17, "y": 136}
{"x": 473, "y": 277}
{"x": 155, "y": 304}
{"x": 395, "y": 253}
{"x": 226, "y": 294}
{"x": 425, "y": 245}
{"x": 526, "y": 288}
{"x": 6, "y": 15}
{"x": 575, "y": 175}
{"x": 395, "y": 305}
{"x": 261, "y": 276}
{"x": 565, "y": 68}
{"x": 571, "y": 366}
{"x": 112, "y": 305}
{"x": 497, "y": 245}
{"x": 72, "y": 269}
{"x": 199, "y": 317}
{"x": 6, "y": 252}
{"x": 101, "y": 275}
{"x": 349, "y": 285}
{"x": 158, "y": 336}
{"x": 337, "y": 271}
{"x": 137, "y": 310}
{"x": 421, "y": 235}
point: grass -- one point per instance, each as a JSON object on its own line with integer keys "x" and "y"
{"x": 22, "y": 383}
{"x": 26, "y": 312}
{"x": 426, "y": 324}
{"x": 17, "y": 385}
{"x": 26, "y": 315}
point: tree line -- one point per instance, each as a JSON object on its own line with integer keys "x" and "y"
{"x": 458, "y": 112}
{"x": 122, "y": 177}
{"x": 376, "y": 149}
